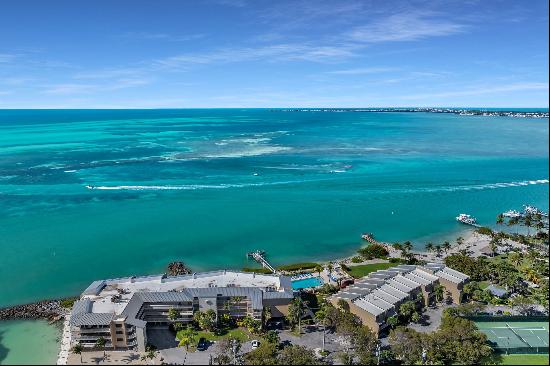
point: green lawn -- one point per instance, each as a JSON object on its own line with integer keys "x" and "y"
{"x": 237, "y": 333}
{"x": 484, "y": 284}
{"x": 363, "y": 270}
{"x": 518, "y": 360}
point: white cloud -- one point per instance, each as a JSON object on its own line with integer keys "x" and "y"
{"x": 363, "y": 70}
{"x": 6, "y": 57}
{"x": 279, "y": 52}
{"x": 409, "y": 26}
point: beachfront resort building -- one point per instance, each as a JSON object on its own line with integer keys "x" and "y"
{"x": 377, "y": 297}
{"x": 121, "y": 310}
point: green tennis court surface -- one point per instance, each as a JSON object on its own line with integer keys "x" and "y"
{"x": 513, "y": 336}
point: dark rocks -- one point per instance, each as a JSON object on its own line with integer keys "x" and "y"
{"x": 178, "y": 269}
{"x": 48, "y": 309}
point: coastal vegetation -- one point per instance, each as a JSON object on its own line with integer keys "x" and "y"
{"x": 298, "y": 266}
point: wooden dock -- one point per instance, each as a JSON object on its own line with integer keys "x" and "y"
{"x": 259, "y": 256}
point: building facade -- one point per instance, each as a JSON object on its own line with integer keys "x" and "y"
{"x": 378, "y": 296}
{"x": 121, "y": 310}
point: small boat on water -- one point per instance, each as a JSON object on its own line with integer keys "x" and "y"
{"x": 511, "y": 214}
{"x": 466, "y": 219}
{"x": 532, "y": 210}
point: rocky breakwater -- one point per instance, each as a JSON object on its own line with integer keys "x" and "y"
{"x": 51, "y": 310}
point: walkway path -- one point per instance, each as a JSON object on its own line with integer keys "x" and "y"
{"x": 65, "y": 342}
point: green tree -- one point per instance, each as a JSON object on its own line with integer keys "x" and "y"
{"x": 446, "y": 246}
{"x": 365, "y": 343}
{"x": 100, "y": 343}
{"x": 265, "y": 354}
{"x": 206, "y": 320}
{"x": 429, "y": 247}
{"x": 296, "y": 311}
{"x": 515, "y": 258}
{"x": 173, "y": 314}
{"x": 297, "y": 355}
{"x": 406, "y": 344}
{"x": 187, "y": 338}
{"x": 406, "y": 310}
{"x": 439, "y": 293}
{"x": 271, "y": 336}
{"x": 459, "y": 241}
{"x": 77, "y": 350}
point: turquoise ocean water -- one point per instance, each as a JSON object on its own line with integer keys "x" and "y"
{"x": 206, "y": 186}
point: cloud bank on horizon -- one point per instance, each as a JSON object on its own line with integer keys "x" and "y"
{"x": 261, "y": 53}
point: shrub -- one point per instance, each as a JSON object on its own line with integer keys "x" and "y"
{"x": 68, "y": 303}
{"x": 373, "y": 251}
{"x": 356, "y": 259}
{"x": 298, "y": 266}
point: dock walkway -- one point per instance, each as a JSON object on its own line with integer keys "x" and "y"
{"x": 259, "y": 256}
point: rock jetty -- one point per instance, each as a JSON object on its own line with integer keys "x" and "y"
{"x": 50, "y": 310}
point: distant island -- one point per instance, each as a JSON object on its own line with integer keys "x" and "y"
{"x": 462, "y": 112}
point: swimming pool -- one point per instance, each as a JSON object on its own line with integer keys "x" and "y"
{"x": 307, "y": 283}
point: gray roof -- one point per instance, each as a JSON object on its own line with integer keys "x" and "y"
{"x": 81, "y": 314}
{"x": 95, "y": 288}
{"x": 92, "y": 319}
{"x": 497, "y": 291}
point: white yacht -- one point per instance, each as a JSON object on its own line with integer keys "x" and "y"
{"x": 532, "y": 210}
{"x": 512, "y": 214}
{"x": 466, "y": 219}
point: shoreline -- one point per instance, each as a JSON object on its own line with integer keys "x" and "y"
{"x": 53, "y": 311}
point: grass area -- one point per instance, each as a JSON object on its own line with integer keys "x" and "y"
{"x": 298, "y": 266}
{"x": 256, "y": 270}
{"x": 517, "y": 360}
{"x": 237, "y": 333}
{"x": 484, "y": 284}
{"x": 363, "y": 270}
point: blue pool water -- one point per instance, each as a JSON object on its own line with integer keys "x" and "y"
{"x": 307, "y": 283}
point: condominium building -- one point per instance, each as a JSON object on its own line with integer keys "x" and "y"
{"x": 121, "y": 310}
{"x": 377, "y": 297}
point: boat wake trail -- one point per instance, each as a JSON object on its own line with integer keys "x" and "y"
{"x": 185, "y": 187}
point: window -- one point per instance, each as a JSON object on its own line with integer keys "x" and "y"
{"x": 118, "y": 325}
{"x": 119, "y": 332}
{"x": 119, "y": 339}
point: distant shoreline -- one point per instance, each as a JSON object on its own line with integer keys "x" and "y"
{"x": 459, "y": 111}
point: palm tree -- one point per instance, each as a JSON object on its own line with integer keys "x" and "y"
{"x": 397, "y": 246}
{"x": 318, "y": 269}
{"x": 266, "y": 314}
{"x": 100, "y": 343}
{"x": 515, "y": 258}
{"x": 459, "y": 241}
{"x": 173, "y": 314}
{"x": 429, "y": 246}
{"x": 330, "y": 268}
{"x": 407, "y": 246}
{"x": 188, "y": 337}
{"x": 500, "y": 219}
{"x": 296, "y": 311}
{"x": 77, "y": 350}
{"x": 439, "y": 293}
{"x": 438, "y": 250}
{"x": 446, "y": 246}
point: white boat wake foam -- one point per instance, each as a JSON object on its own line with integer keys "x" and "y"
{"x": 244, "y": 185}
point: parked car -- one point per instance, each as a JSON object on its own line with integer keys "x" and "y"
{"x": 203, "y": 344}
{"x": 255, "y": 344}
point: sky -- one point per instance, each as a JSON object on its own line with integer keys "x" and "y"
{"x": 265, "y": 53}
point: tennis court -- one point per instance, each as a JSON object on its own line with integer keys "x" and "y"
{"x": 516, "y": 336}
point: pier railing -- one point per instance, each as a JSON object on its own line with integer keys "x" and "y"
{"x": 259, "y": 256}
